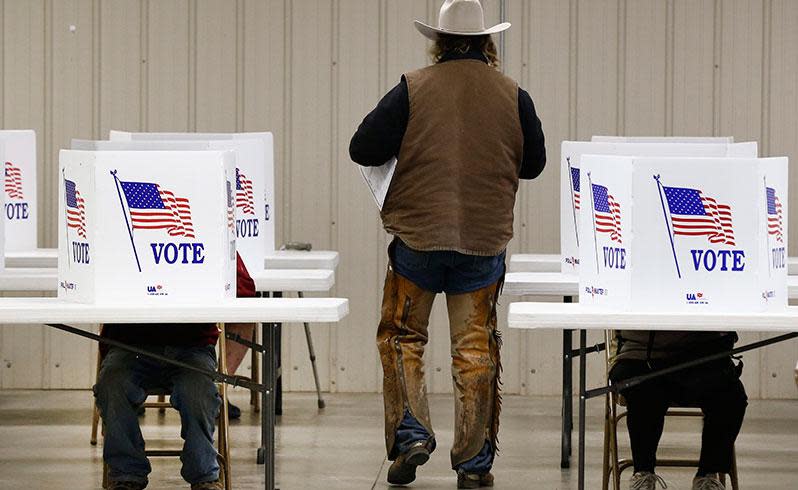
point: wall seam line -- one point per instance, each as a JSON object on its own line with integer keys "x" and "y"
{"x": 670, "y": 47}
{"x": 767, "y": 61}
{"x": 144, "y": 63}
{"x": 620, "y": 93}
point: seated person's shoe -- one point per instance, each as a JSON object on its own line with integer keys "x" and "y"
{"x": 208, "y": 485}
{"x": 125, "y": 485}
{"x": 645, "y": 480}
{"x": 474, "y": 480}
{"x": 708, "y": 482}
{"x": 233, "y": 412}
{"x": 403, "y": 470}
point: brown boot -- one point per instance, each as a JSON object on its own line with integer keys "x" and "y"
{"x": 403, "y": 470}
{"x": 208, "y": 485}
{"x": 401, "y": 338}
{"x": 475, "y": 371}
{"x": 474, "y": 480}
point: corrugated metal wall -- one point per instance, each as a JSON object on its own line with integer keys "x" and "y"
{"x": 308, "y": 70}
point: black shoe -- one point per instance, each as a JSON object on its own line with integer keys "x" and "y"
{"x": 126, "y": 485}
{"x": 233, "y": 412}
{"x": 474, "y": 480}
{"x": 403, "y": 470}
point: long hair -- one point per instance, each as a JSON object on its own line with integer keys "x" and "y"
{"x": 447, "y": 44}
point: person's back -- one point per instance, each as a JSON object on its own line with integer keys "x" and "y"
{"x": 463, "y": 135}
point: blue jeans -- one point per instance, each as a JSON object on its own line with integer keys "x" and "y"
{"x": 452, "y": 273}
{"x": 446, "y": 271}
{"x": 121, "y": 388}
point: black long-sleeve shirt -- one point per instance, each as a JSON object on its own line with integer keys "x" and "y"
{"x": 379, "y": 136}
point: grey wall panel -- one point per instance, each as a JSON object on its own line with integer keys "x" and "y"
{"x": 309, "y": 71}
{"x": 121, "y": 66}
{"x": 168, "y": 57}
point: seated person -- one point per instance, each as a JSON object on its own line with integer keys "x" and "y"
{"x": 714, "y": 387}
{"x": 125, "y": 378}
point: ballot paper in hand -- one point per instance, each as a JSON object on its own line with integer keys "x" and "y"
{"x": 378, "y": 180}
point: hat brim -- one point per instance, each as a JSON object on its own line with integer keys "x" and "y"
{"x": 433, "y": 32}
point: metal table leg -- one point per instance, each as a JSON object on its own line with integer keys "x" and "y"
{"x": 278, "y": 363}
{"x": 582, "y": 399}
{"x": 266, "y": 451}
{"x": 567, "y": 394}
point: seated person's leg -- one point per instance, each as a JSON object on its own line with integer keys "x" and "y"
{"x": 119, "y": 394}
{"x": 197, "y": 399}
{"x": 235, "y": 351}
{"x": 717, "y": 389}
{"x": 646, "y": 405}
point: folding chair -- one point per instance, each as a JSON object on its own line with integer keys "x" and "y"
{"x": 613, "y": 465}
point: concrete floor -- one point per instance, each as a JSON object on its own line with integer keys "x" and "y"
{"x": 44, "y": 445}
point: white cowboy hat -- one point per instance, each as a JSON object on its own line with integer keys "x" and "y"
{"x": 460, "y": 18}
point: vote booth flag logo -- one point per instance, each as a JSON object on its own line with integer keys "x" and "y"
{"x": 775, "y": 224}
{"x": 694, "y": 214}
{"x": 75, "y": 208}
{"x": 13, "y": 181}
{"x": 154, "y": 208}
{"x": 606, "y": 213}
{"x": 230, "y": 204}
{"x": 245, "y": 200}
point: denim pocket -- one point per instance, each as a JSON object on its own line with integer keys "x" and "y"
{"x": 409, "y": 259}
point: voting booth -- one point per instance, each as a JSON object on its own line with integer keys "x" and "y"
{"x": 146, "y": 226}
{"x": 571, "y": 196}
{"x": 663, "y": 139}
{"x": 263, "y": 188}
{"x": 18, "y": 157}
{"x": 249, "y": 191}
{"x": 683, "y": 234}
{"x": 2, "y": 222}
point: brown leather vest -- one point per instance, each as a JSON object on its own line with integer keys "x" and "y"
{"x": 457, "y": 172}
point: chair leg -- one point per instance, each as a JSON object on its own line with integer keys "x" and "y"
{"x": 735, "y": 482}
{"x": 224, "y": 436}
{"x": 95, "y": 422}
{"x": 95, "y": 416}
{"x": 162, "y": 399}
{"x": 616, "y": 471}
{"x": 254, "y": 396}
{"x": 605, "y": 462}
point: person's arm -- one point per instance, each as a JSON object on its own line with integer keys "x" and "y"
{"x": 379, "y": 136}
{"x": 534, "y": 144}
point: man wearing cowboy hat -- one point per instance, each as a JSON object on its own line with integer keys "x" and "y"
{"x": 463, "y": 135}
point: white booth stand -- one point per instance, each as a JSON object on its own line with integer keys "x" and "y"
{"x": 18, "y": 157}
{"x": 57, "y": 313}
{"x": 571, "y": 316}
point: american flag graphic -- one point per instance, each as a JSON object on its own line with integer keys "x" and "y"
{"x": 13, "y": 181}
{"x": 75, "y": 208}
{"x": 575, "y": 181}
{"x": 694, "y": 214}
{"x": 230, "y": 208}
{"x": 154, "y": 208}
{"x": 244, "y": 199}
{"x": 607, "y": 213}
{"x": 774, "y": 215}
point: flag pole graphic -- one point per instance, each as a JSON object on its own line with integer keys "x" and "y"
{"x": 573, "y": 198}
{"x": 668, "y": 225}
{"x": 66, "y": 218}
{"x": 767, "y": 227}
{"x": 593, "y": 214}
{"x": 127, "y": 223}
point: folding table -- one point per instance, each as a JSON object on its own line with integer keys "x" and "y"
{"x": 567, "y": 287}
{"x": 54, "y": 312}
{"x": 572, "y": 316}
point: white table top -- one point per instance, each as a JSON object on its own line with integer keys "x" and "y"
{"x": 540, "y": 284}
{"x": 305, "y": 280}
{"x": 557, "y": 284}
{"x": 534, "y": 263}
{"x": 297, "y": 259}
{"x": 29, "y": 279}
{"x": 308, "y": 280}
{"x": 279, "y": 259}
{"x": 40, "y": 257}
{"x": 574, "y": 316}
{"x": 287, "y": 310}
{"x": 551, "y": 263}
